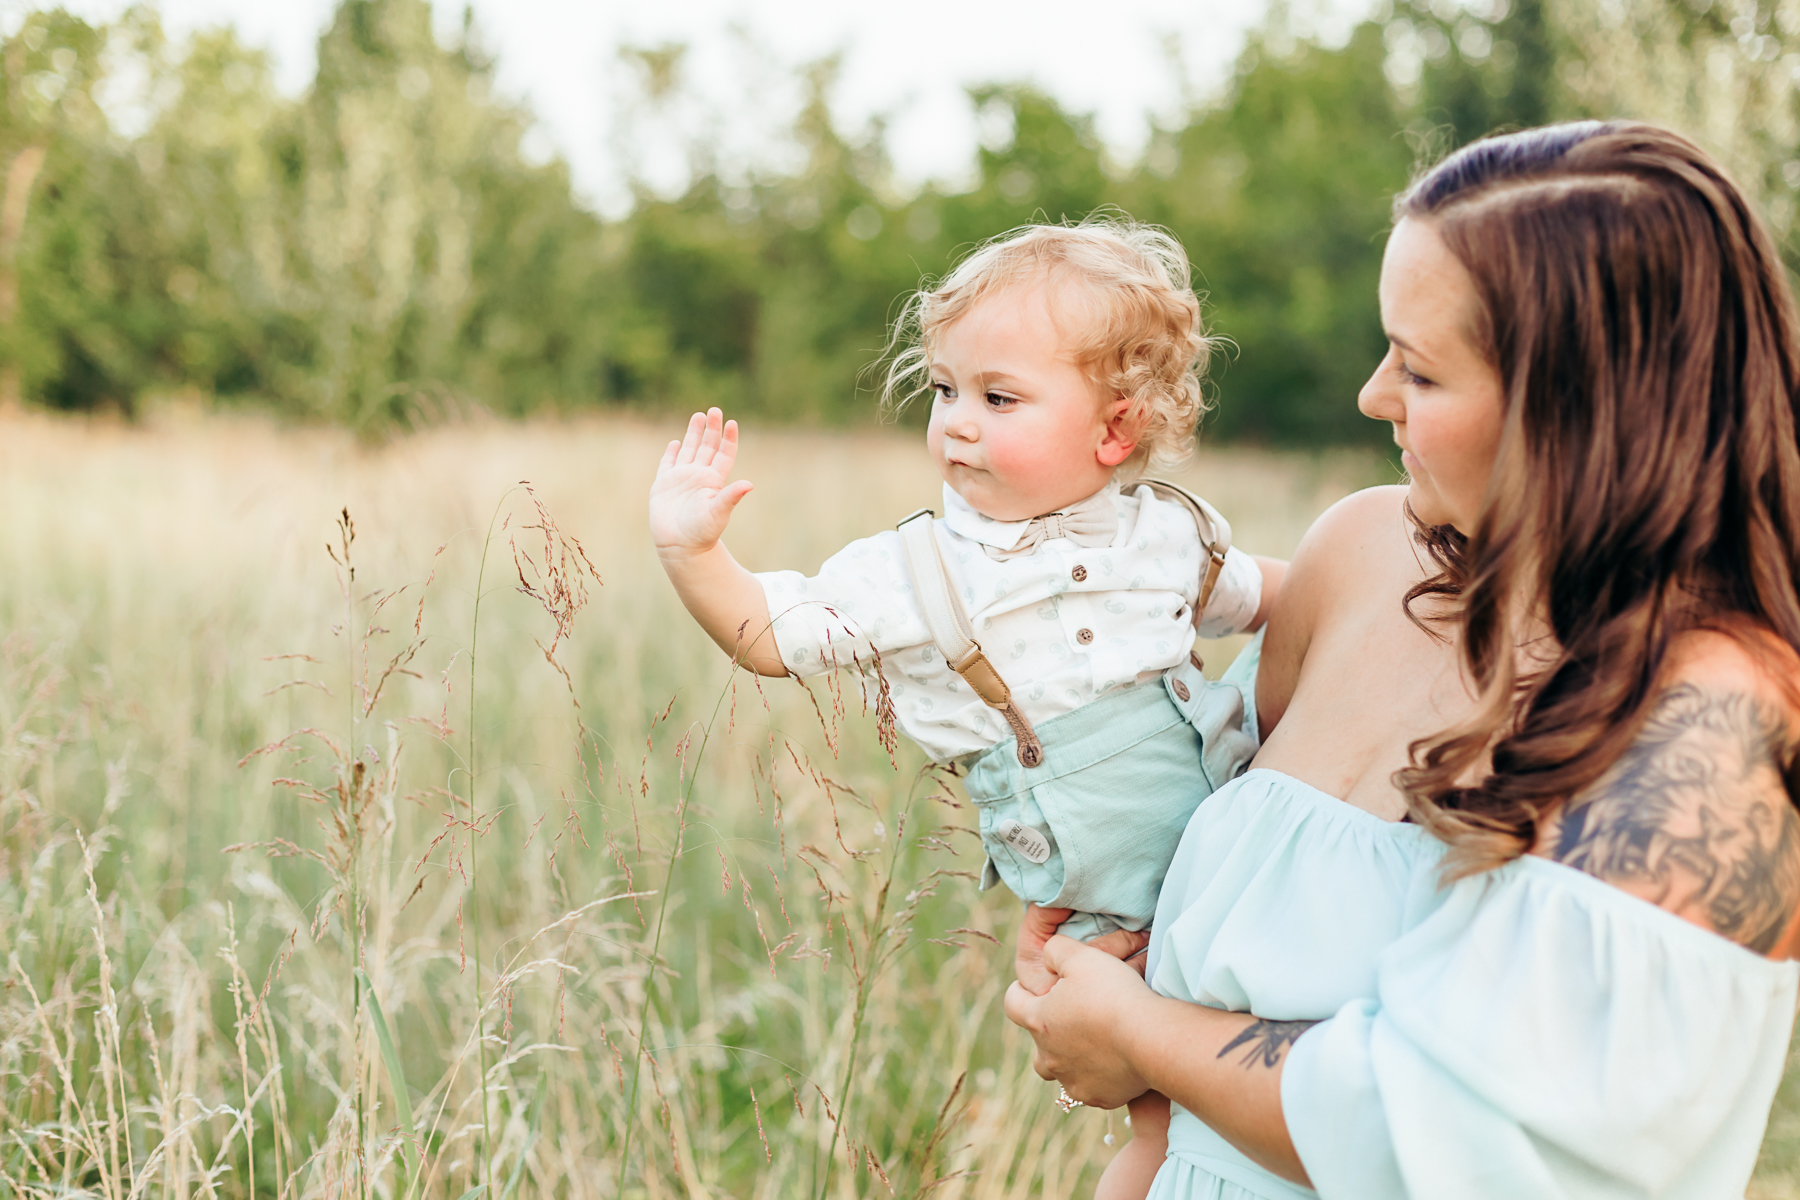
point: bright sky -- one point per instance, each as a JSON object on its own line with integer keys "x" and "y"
{"x": 1123, "y": 61}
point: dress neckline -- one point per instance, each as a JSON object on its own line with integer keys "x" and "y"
{"x": 1560, "y": 876}
{"x": 1319, "y": 795}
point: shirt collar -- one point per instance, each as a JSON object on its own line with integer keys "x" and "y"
{"x": 963, "y": 520}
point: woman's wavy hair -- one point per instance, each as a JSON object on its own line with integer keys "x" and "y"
{"x": 1648, "y": 477}
{"x": 1125, "y": 296}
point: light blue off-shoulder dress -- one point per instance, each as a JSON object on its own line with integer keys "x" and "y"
{"x": 1527, "y": 1033}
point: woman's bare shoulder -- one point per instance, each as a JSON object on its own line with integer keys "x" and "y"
{"x": 1698, "y": 815}
{"x": 1364, "y": 527}
{"x": 1370, "y": 513}
{"x": 1361, "y": 546}
{"x": 1358, "y": 552}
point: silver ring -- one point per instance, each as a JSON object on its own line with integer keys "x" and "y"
{"x": 1065, "y": 1101}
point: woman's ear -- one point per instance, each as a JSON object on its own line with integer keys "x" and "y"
{"x": 1120, "y": 437}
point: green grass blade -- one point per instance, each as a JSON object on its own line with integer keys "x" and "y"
{"x": 537, "y": 1116}
{"x": 409, "y": 1145}
{"x": 473, "y": 1192}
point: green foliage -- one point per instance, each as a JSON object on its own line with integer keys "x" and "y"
{"x": 379, "y": 252}
{"x": 1281, "y": 196}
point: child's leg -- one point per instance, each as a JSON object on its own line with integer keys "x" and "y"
{"x": 1129, "y": 1174}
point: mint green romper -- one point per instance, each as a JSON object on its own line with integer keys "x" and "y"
{"x": 1119, "y": 780}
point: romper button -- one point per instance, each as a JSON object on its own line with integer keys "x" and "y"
{"x": 1181, "y": 689}
{"x": 1079, "y": 573}
{"x": 1084, "y": 636}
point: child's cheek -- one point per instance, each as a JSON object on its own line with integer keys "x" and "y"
{"x": 1008, "y": 458}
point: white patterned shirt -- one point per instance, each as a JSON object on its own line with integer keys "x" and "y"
{"x": 1063, "y": 624}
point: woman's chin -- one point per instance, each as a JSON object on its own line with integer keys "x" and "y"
{"x": 1427, "y": 506}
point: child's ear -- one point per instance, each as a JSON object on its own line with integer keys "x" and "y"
{"x": 1120, "y": 437}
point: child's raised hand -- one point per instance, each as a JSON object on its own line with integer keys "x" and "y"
{"x": 691, "y": 501}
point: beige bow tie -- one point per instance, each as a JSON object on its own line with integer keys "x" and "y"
{"x": 1093, "y": 522}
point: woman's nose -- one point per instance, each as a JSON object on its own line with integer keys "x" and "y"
{"x": 1380, "y": 396}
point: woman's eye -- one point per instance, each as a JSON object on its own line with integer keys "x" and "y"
{"x": 1408, "y": 375}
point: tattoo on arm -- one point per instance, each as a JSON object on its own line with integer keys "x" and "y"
{"x": 1267, "y": 1041}
{"x": 1696, "y": 817}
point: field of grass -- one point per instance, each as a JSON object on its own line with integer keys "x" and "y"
{"x": 452, "y": 856}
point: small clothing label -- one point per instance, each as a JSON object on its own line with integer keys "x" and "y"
{"x": 1026, "y": 840}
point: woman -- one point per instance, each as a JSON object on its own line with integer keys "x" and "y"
{"x": 1506, "y": 905}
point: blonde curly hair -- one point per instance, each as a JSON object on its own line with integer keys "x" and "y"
{"x": 1136, "y": 329}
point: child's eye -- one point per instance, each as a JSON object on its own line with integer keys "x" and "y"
{"x": 996, "y": 400}
{"x": 944, "y": 391}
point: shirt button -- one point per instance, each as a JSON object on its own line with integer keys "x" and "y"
{"x": 1084, "y": 636}
{"x": 1079, "y": 574}
{"x": 1181, "y": 689}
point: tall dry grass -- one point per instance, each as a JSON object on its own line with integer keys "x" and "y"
{"x": 437, "y": 860}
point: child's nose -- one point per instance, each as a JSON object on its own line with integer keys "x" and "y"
{"x": 961, "y": 425}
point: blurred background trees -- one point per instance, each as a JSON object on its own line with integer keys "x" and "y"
{"x": 380, "y": 251}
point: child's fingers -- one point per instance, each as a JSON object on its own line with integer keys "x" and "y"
{"x": 728, "y": 446}
{"x": 709, "y": 440}
{"x": 728, "y": 498}
{"x": 668, "y": 458}
{"x": 690, "y": 443}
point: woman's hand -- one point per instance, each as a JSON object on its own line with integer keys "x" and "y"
{"x": 691, "y": 501}
{"x": 1080, "y": 1023}
{"x": 1041, "y": 924}
{"x": 1107, "y": 1038}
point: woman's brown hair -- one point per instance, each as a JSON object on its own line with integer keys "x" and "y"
{"x": 1648, "y": 478}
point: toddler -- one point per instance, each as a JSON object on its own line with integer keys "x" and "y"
{"x": 1039, "y": 634}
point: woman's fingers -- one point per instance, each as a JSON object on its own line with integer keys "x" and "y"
{"x": 1028, "y": 956}
{"x": 1022, "y": 1008}
{"x": 1058, "y": 952}
{"x": 1122, "y": 943}
{"x": 1040, "y": 923}
{"x": 1026, "y": 1011}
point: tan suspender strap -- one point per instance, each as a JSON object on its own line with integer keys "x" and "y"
{"x": 953, "y": 636}
{"x": 1215, "y": 533}
{"x": 949, "y": 622}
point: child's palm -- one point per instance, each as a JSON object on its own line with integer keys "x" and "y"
{"x": 692, "y": 499}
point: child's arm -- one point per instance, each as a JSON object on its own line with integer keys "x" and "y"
{"x": 1273, "y": 571}
{"x": 690, "y": 504}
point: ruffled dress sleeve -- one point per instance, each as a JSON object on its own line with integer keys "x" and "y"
{"x": 1542, "y": 1034}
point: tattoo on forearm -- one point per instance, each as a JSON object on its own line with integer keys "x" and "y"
{"x": 1267, "y": 1041}
{"x": 1696, "y": 817}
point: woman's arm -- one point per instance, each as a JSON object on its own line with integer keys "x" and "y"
{"x": 1355, "y": 545}
{"x": 1108, "y": 1038}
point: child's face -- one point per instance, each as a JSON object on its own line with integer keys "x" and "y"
{"x": 1017, "y": 427}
